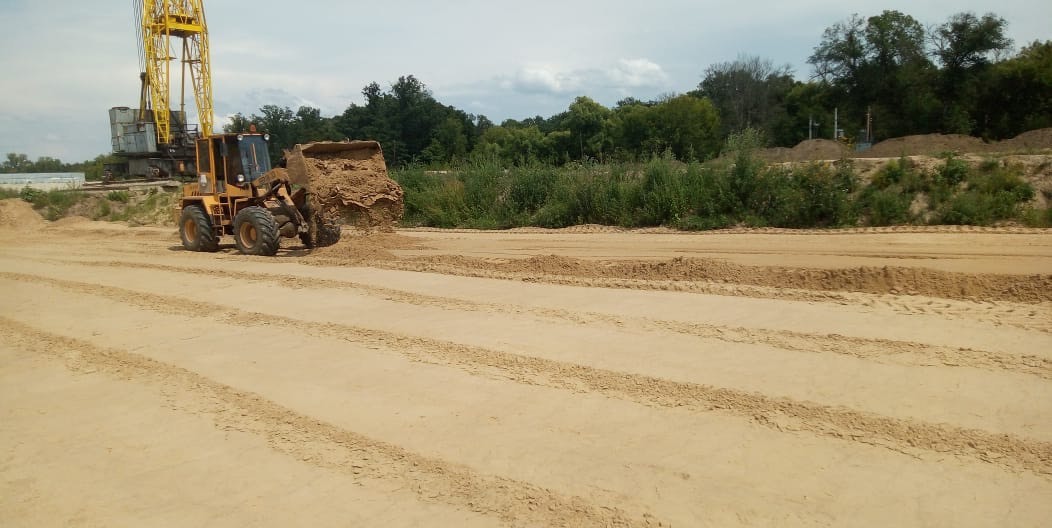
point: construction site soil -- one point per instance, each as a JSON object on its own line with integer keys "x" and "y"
{"x": 590, "y": 376}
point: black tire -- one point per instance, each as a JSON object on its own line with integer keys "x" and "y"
{"x": 256, "y": 232}
{"x": 195, "y": 229}
{"x": 319, "y": 233}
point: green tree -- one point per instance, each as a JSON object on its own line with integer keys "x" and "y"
{"x": 280, "y": 123}
{"x": 448, "y": 142}
{"x": 586, "y": 122}
{"x": 410, "y": 123}
{"x": 689, "y": 126}
{"x": 967, "y": 41}
{"x": 16, "y": 162}
{"x": 879, "y": 64}
{"x": 748, "y": 92}
{"x": 238, "y": 123}
{"x": 965, "y": 46}
{"x": 313, "y": 127}
{"x": 807, "y": 113}
{"x": 1016, "y": 94}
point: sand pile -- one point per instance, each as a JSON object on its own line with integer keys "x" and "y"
{"x": 17, "y": 215}
{"x": 1034, "y": 139}
{"x": 349, "y": 181}
{"x": 809, "y": 150}
{"x": 363, "y": 246}
{"x": 818, "y": 149}
{"x": 70, "y": 220}
{"x": 918, "y": 145}
{"x": 931, "y": 144}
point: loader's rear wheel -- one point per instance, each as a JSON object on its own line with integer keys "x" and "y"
{"x": 256, "y": 232}
{"x": 195, "y": 228}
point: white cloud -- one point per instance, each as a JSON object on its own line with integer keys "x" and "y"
{"x": 636, "y": 73}
{"x": 544, "y": 79}
{"x": 623, "y": 76}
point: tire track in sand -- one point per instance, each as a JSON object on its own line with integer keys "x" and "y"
{"x": 326, "y": 445}
{"x": 912, "y": 437}
{"x": 1033, "y": 316}
{"x": 885, "y": 351}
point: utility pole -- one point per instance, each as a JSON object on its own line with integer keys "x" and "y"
{"x": 869, "y": 124}
{"x": 836, "y": 124}
{"x": 810, "y": 126}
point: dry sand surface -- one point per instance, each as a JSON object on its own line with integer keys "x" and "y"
{"x": 583, "y": 377}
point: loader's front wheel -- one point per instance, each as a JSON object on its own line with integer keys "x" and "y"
{"x": 195, "y": 229}
{"x": 256, "y": 232}
{"x": 320, "y": 233}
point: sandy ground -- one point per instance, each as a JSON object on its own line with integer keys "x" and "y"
{"x": 585, "y": 377}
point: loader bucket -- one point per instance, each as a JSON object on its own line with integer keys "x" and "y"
{"x": 347, "y": 182}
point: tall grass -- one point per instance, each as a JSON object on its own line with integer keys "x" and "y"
{"x": 739, "y": 189}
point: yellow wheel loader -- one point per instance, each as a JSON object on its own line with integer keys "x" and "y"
{"x": 239, "y": 194}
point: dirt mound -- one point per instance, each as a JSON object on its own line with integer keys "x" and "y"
{"x": 875, "y": 280}
{"x": 918, "y": 145}
{"x": 819, "y": 149}
{"x": 809, "y": 150}
{"x": 16, "y": 214}
{"x": 349, "y": 181}
{"x": 363, "y": 246}
{"x": 1034, "y": 139}
{"x": 930, "y": 144}
{"x": 70, "y": 220}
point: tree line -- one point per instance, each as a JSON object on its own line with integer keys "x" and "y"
{"x": 21, "y": 164}
{"x": 884, "y": 76}
{"x": 887, "y": 73}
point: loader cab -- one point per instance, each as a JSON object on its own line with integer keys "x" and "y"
{"x": 231, "y": 161}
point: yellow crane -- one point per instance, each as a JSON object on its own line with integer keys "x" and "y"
{"x": 155, "y": 140}
{"x": 167, "y": 28}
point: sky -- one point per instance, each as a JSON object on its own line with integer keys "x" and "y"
{"x": 64, "y": 64}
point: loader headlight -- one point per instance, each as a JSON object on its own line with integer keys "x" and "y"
{"x": 240, "y": 137}
{"x": 203, "y": 181}
{"x": 266, "y": 137}
{"x": 241, "y": 178}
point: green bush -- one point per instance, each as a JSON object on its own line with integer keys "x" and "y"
{"x": 893, "y": 173}
{"x": 32, "y": 195}
{"x": 118, "y": 196}
{"x": 970, "y": 208}
{"x": 55, "y": 203}
{"x": 884, "y": 207}
{"x": 953, "y": 171}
